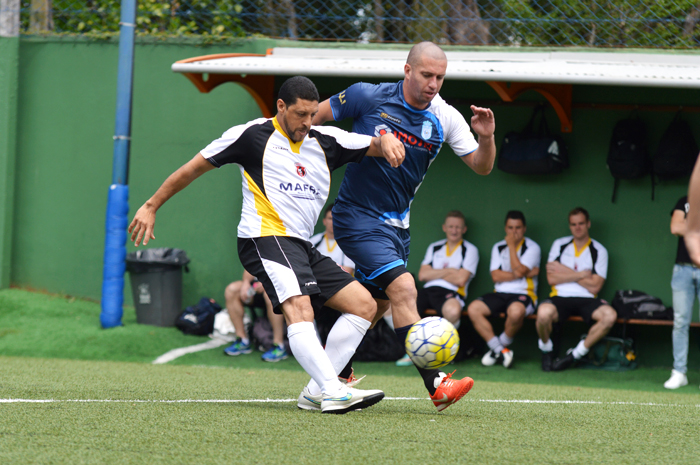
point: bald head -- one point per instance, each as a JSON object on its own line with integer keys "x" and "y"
{"x": 424, "y": 50}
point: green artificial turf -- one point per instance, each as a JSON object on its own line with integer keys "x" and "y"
{"x": 482, "y": 428}
{"x": 52, "y": 347}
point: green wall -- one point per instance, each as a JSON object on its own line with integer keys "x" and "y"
{"x": 67, "y": 92}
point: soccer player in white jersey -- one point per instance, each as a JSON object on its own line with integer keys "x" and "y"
{"x": 515, "y": 264}
{"x": 371, "y": 214}
{"x": 285, "y": 166}
{"x": 576, "y": 269}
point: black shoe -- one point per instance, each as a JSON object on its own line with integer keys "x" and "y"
{"x": 564, "y": 363}
{"x": 546, "y": 361}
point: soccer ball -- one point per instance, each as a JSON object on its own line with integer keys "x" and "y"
{"x": 432, "y": 342}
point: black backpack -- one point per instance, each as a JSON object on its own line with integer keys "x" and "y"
{"x": 198, "y": 319}
{"x": 677, "y": 151}
{"x": 628, "y": 154}
{"x": 638, "y": 305}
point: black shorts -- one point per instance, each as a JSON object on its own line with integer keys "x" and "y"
{"x": 498, "y": 302}
{"x": 581, "y": 306}
{"x": 289, "y": 267}
{"x": 434, "y": 297}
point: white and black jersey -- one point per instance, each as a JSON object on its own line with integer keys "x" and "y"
{"x": 285, "y": 183}
{"x": 466, "y": 256}
{"x": 593, "y": 256}
{"x": 529, "y": 254}
{"x": 330, "y": 248}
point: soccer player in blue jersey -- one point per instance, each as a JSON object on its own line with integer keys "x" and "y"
{"x": 371, "y": 213}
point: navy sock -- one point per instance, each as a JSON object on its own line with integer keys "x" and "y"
{"x": 428, "y": 375}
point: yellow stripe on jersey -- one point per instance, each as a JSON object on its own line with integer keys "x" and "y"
{"x": 554, "y": 292}
{"x": 462, "y": 291}
{"x": 531, "y": 290}
{"x": 295, "y": 146}
{"x": 271, "y": 222}
{"x": 579, "y": 252}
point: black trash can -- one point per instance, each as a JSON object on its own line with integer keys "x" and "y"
{"x": 156, "y": 284}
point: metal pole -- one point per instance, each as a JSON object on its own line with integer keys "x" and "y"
{"x": 118, "y": 198}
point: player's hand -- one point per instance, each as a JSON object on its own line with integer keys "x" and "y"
{"x": 483, "y": 122}
{"x": 142, "y": 225}
{"x": 392, "y": 149}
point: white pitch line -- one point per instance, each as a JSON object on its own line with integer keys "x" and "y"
{"x": 175, "y": 353}
{"x": 248, "y": 401}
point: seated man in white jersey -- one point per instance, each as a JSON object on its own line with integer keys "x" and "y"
{"x": 515, "y": 264}
{"x": 577, "y": 267}
{"x": 285, "y": 166}
{"x": 250, "y": 292}
{"x": 325, "y": 243}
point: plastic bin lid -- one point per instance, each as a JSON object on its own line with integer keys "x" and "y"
{"x": 160, "y": 256}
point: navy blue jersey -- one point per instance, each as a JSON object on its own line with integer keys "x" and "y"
{"x": 373, "y": 185}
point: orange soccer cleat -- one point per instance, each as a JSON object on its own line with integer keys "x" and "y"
{"x": 450, "y": 391}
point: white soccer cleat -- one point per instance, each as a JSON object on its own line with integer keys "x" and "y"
{"x": 489, "y": 359}
{"x": 350, "y": 399}
{"x": 507, "y": 355}
{"x": 676, "y": 380}
{"x": 307, "y": 401}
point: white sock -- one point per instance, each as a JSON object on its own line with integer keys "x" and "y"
{"x": 495, "y": 345}
{"x": 245, "y": 340}
{"x": 344, "y": 337}
{"x": 545, "y": 346}
{"x": 389, "y": 320}
{"x": 580, "y": 350}
{"x": 311, "y": 356}
{"x": 505, "y": 340}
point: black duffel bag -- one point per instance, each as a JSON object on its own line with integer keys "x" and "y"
{"x": 638, "y": 305}
{"x": 533, "y": 151}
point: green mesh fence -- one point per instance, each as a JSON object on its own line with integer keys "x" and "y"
{"x": 599, "y": 23}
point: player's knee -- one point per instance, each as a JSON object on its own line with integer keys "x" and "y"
{"x": 516, "y": 312}
{"x": 366, "y": 307}
{"x": 546, "y": 313}
{"x": 608, "y": 316}
{"x": 477, "y": 309}
{"x": 403, "y": 289}
{"x": 451, "y": 311}
{"x": 232, "y": 290}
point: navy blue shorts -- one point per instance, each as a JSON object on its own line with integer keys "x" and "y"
{"x": 376, "y": 247}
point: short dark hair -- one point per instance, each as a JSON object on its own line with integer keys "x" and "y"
{"x": 516, "y": 215}
{"x": 328, "y": 208}
{"x": 298, "y": 87}
{"x": 578, "y": 210}
{"x": 456, "y": 214}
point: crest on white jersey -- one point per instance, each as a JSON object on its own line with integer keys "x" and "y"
{"x": 427, "y": 129}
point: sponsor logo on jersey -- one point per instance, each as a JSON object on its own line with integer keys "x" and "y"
{"x": 310, "y": 283}
{"x": 407, "y": 139}
{"x": 427, "y": 129}
{"x": 307, "y": 191}
{"x": 278, "y": 147}
{"x": 341, "y": 97}
{"x": 390, "y": 118}
{"x": 301, "y": 171}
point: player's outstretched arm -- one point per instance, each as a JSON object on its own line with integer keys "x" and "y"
{"x": 388, "y": 147}
{"x": 692, "y": 231}
{"x": 325, "y": 113}
{"x": 144, "y": 221}
{"x": 483, "y": 124}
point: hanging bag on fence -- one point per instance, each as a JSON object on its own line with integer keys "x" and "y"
{"x": 533, "y": 151}
{"x": 677, "y": 152}
{"x": 628, "y": 156}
